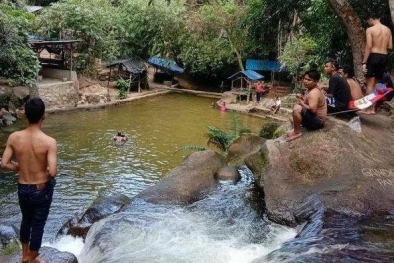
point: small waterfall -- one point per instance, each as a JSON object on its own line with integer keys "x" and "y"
{"x": 227, "y": 226}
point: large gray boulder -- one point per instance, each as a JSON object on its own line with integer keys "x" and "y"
{"x": 243, "y": 147}
{"x": 49, "y": 254}
{"x": 350, "y": 172}
{"x": 188, "y": 182}
{"x": 102, "y": 207}
{"x": 228, "y": 173}
{"x": 336, "y": 186}
{"x": 8, "y": 235}
{"x": 247, "y": 150}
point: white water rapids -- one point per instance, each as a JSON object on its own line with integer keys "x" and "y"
{"x": 224, "y": 227}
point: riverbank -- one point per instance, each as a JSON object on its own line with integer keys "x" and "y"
{"x": 261, "y": 110}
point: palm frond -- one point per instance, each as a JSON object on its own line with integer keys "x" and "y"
{"x": 218, "y": 138}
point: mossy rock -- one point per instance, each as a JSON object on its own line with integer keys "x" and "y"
{"x": 278, "y": 132}
{"x": 268, "y": 130}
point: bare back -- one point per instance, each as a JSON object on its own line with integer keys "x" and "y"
{"x": 355, "y": 89}
{"x": 36, "y": 154}
{"x": 379, "y": 39}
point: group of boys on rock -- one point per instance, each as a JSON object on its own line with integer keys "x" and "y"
{"x": 311, "y": 109}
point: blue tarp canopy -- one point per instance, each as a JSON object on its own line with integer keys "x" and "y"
{"x": 265, "y": 65}
{"x": 165, "y": 64}
{"x": 250, "y": 74}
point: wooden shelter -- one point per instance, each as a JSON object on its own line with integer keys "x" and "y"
{"x": 165, "y": 69}
{"x": 132, "y": 69}
{"x": 241, "y": 82}
{"x": 56, "y": 52}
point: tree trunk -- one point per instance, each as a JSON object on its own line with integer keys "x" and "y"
{"x": 391, "y": 5}
{"x": 354, "y": 31}
{"x": 238, "y": 55}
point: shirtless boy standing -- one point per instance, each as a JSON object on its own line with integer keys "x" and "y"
{"x": 379, "y": 40}
{"x": 36, "y": 155}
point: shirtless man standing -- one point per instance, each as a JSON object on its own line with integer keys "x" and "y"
{"x": 36, "y": 155}
{"x": 311, "y": 110}
{"x": 379, "y": 40}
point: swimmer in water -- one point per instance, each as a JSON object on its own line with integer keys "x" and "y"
{"x": 120, "y": 138}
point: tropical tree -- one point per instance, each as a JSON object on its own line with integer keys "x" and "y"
{"x": 89, "y": 20}
{"x": 151, "y": 30}
{"x": 321, "y": 24}
{"x": 216, "y": 40}
{"x": 354, "y": 29}
{"x": 299, "y": 52}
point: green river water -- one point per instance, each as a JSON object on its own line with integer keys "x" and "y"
{"x": 90, "y": 164}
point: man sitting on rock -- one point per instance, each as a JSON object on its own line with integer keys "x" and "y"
{"x": 338, "y": 88}
{"x": 311, "y": 110}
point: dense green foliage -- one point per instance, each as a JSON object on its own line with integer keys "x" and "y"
{"x": 300, "y": 51}
{"x": 210, "y": 38}
{"x": 18, "y": 63}
{"x": 123, "y": 87}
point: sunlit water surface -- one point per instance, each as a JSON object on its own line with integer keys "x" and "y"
{"x": 90, "y": 164}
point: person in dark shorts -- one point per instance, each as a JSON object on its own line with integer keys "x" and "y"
{"x": 378, "y": 41}
{"x": 376, "y": 65}
{"x": 338, "y": 88}
{"x": 311, "y": 110}
{"x": 36, "y": 155}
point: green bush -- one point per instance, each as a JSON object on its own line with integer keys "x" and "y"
{"x": 267, "y": 130}
{"x": 10, "y": 249}
{"x": 123, "y": 86}
{"x": 18, "y": 62}
{"x": 4, "y": 100}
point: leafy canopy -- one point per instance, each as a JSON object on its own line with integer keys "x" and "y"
{"x": 18, "y": 63}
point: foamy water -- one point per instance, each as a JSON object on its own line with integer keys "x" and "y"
{"x": 224, "y": 227}
{"x": 70, "y": 244}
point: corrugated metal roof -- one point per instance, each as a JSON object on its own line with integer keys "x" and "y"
{"x": 165, "y": 64}
{"x": 132, "y": 65}
{"x": 264, "y": 65}
{"x": 250, "y": 74}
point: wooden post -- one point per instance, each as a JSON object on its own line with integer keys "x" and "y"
{"x": 71, "y": 62}
{"x": 109, "y": 77}
{"x": 139, "y": 83}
